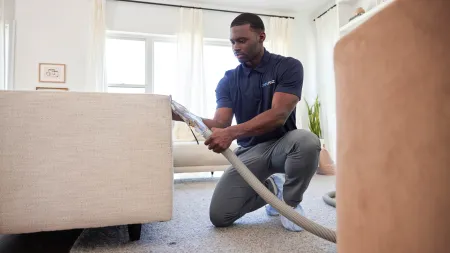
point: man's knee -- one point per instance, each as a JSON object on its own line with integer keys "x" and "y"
{"x": 217, "y": 211}
{"x": 305, "y": 140}
{"x": 218, "y": 218}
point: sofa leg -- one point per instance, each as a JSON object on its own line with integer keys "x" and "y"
{"x": 134, "y": 232}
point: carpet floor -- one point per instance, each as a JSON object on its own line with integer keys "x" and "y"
{"x": 191, "y": 231}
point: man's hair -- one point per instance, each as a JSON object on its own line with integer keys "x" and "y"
{"x": 254, "y": 20}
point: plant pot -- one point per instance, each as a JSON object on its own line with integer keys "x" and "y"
{"x": 326, "y": 164}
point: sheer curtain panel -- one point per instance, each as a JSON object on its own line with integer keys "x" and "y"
{"x": 278, "y": 35}
{"x": 327, "y": 35}
{"x": 190, "y": 89}
{"x": 96, "y": 76}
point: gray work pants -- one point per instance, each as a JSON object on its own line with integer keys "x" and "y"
{"x": 296, "y": 155}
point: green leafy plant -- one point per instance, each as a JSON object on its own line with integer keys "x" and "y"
{"x": 314, "y": 117}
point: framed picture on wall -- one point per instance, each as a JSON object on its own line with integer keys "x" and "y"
{"x": 52, "y": 73}
{"x": 52, "y": 88}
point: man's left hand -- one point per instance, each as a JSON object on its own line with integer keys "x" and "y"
{"x": 220, "y": 140}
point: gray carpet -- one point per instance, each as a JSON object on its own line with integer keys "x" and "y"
{"x": 191, "y": 231}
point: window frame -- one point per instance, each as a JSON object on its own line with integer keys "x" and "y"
{"x": 216, "y": 42}
{"x": 149, "y": 40}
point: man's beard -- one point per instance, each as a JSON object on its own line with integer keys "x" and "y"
{"x": 252, "y": 54}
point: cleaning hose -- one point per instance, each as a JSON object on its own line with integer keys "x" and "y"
{"x": 330, "y": 198}
{"x": 284, "y": 209}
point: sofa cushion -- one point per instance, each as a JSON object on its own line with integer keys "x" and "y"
{"x": 181, "y": 132}
{"x": 189, "y": 153}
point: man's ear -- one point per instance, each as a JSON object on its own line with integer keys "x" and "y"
{"x": 262, "y": 37}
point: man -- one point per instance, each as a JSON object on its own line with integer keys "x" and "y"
{"x": 262, "y": 93}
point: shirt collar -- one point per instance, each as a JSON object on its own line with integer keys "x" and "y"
{"x": 261, "y": 66}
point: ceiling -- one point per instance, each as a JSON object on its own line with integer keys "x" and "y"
{"x": 275, "y": 5}
{"x": 279, "y": 6}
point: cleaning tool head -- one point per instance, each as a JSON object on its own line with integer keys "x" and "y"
{"x": 191, "y": 119}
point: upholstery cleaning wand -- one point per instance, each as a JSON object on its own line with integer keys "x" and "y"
{"x": 285, "y": 210}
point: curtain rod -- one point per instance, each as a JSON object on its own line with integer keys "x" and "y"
{"x": 325, "y": 12}
{"x": 206, "y": 9}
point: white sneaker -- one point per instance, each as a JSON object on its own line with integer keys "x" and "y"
{"x": 291, "y": 226}
{"x": 277, "y": 182}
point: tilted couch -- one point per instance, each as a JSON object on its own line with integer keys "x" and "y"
{"x": 81, "y": 160}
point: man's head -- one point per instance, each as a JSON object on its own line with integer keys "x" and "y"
{"x": 247, "y": 36}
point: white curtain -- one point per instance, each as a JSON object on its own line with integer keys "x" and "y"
{"x": 278, "y": 35}
{"x": 96, "y": 77}
{"x": 7, "y": 44}
{"x": 327, "y": 30}
{"x": 190, "y": 88}
{"x": 3, "y": 63}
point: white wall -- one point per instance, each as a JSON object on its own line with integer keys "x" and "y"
{"x": 51, "y": 31}
{"x": 163, "y": 20}
{"x": 56, "y": 31}
{"x": 141, "y": 18}
{"x": 9, "y": 10}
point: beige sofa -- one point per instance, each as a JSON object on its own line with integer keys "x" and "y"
{"x": 190, "y": 156}
{"x": 80, "y": 160}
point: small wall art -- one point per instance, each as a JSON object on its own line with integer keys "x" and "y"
{"x": 52, "y": 88}
{"x": 52, "y": 73}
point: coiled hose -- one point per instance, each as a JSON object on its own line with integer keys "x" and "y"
{"x": 253, "y": 181}
{"x": 330, "y": 198}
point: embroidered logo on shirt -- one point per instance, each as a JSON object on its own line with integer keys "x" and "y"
{"x": 268, "y": 83}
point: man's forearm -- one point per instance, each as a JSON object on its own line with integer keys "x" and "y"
{"x": 261, "y": 124}
{"x": 210, "y": 123}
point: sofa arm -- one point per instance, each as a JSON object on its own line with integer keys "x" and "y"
{"x": 79, "y": 160}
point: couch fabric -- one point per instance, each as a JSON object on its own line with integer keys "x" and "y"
{"x": 78, "y": 160}
{"x": 190, "y": 156}
{"x": 393, "y": 90}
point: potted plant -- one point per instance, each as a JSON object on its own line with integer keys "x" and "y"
{"x": 326, "y": 164}
{"x": 314, "y": 119}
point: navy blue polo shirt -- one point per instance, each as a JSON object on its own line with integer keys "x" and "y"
{"x": 249, "y": 92}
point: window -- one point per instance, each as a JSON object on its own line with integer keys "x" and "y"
{"x": 148, "y": 64}
{"x": 124, "y": 89}
{"x": 164, "y": 69}
{"x": 218, "y": 58}
{"x": 125, "y": 65}
{"x": 140, "y": 64}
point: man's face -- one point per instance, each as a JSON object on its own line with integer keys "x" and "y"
{"x": 246, "y": 42}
